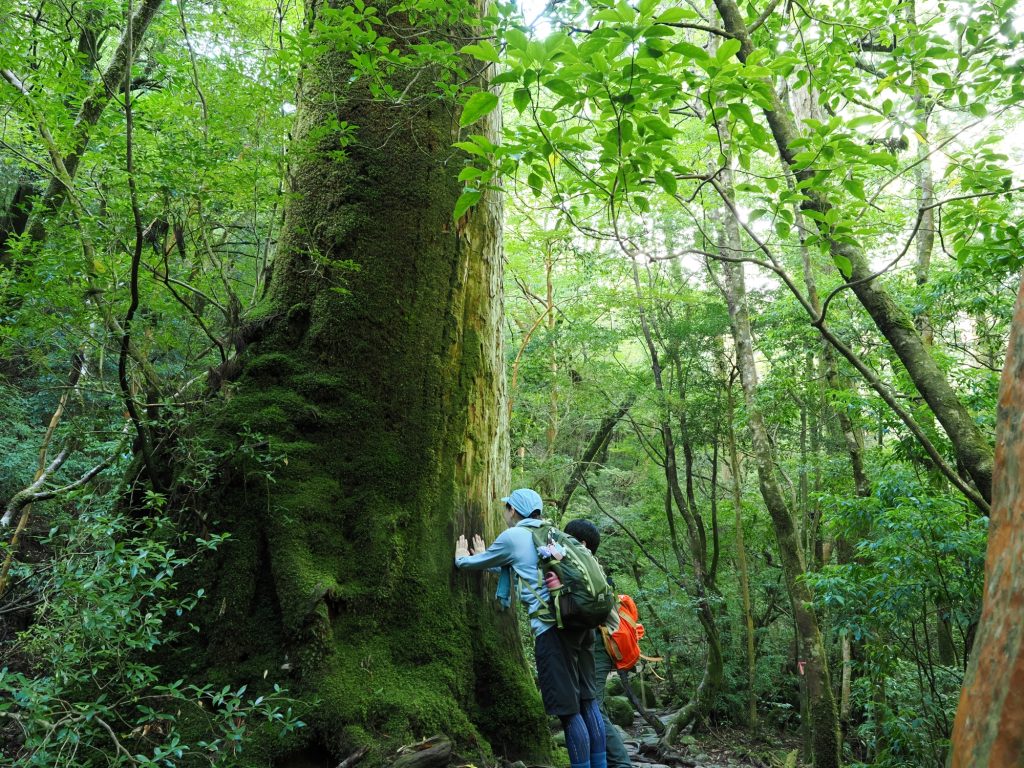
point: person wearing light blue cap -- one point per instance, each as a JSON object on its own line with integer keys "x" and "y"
{"x": 565, "y": 658}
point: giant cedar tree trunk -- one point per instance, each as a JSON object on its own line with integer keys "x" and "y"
{"x": 387, "y": 397}
{"x": 989, "y": 727}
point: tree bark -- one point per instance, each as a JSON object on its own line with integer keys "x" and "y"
{"x": 741, "y": 562}
{"x": 823, "y": 715}
{"x": 989, "y": 727}
{"x": 380, "y": 378}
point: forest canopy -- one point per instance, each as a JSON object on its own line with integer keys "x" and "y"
{"x": 293, "y": 293}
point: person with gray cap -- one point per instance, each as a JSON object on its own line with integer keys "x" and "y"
{"x": 565, "y": 658}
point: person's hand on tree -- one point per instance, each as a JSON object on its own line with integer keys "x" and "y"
{"x": 462, "y": 548}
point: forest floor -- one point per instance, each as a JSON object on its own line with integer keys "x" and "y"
{"x": 714, "y": 748}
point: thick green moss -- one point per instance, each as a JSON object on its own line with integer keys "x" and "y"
{"x": 338, "y": 583}
{"x": 620, "y": 711}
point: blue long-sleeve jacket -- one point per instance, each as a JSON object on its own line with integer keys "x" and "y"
{"x": 514, "y": 551}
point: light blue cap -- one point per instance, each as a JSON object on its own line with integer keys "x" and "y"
{"x": 524, "y": 501}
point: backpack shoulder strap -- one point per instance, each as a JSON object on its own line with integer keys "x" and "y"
{"x": 610, "y": 646}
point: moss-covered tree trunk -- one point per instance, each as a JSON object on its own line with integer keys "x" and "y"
{"x": 989, "y": 727}
{"x": 378, "y": 385}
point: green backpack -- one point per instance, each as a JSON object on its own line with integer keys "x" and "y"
{"x": 585, "y": 598}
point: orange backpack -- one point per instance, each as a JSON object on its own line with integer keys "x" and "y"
{"x": 623, "y": 645}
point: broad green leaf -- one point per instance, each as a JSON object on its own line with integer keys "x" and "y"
{"x": 690, "y": 51}
{"x": 516, "y": 39}
{"x": 728, "y": 49}
{"x": 844, "y": 264}
{"x": 521, "y": 99}
{"x": 561, "y": 88}
{"x": 470, "y": 173}
{"x": 674, "y": 15}
{"x": 667, "y": 181}
{"x": 478, "y": 105}
{"x": 470, "y": 147}
{"x": 742, "y": 111}
{"x": 855, "y": 187}
{"x": 466, "y": 200}
{"x": 484, "y": 51}
{"x": 863, "y": 120}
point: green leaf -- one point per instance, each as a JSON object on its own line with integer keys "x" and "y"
{"x": 516, "y": 39}
{"x": 470, "y": 147}
{"x": 742, "y": 111}
{"x": 863, "y": 120}
{"x": 469, "y": 173}
{"x": 507, "y": 77}
{"x": 484, "y": 51}
{"x": 659, "y": 128}
{"x": 466, "y": 200}
{"x": 667, "y": 181}
{"x": 690, "y": 51}
{"x": 978, "y": 109}
{"x": 844, "y": 264}
{"x": 478, "y": 105}
{"x": 561, "y": 88}
{"x": 855, "y": 187}
{"x": 674, "y": 15}
{"x": 521, "y": 99}
{"x": 728, "y": 49}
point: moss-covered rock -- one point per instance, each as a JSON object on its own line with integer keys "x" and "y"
{"x": 620, "y": 711}
{"x": 645, "y": 693}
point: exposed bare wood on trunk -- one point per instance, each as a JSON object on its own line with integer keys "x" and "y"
{"x": 989, "y": 727}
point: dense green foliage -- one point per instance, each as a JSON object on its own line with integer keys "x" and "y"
{"x": 138, "y": 232}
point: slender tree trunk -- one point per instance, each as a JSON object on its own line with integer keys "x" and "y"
{"x": 381, "y": 393}
{"x": 598, "y": 443}
{"x": 894, "y": 322}
{"x": 549, "y": 300}
{"x": 823, "y": 715}
{"x": 741, "y": 560}
{"x": 110, "y": 82}
{"x": 711, "y": 681}
{"x": 989, "y": 727}
{"x": 854, "y": 438}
